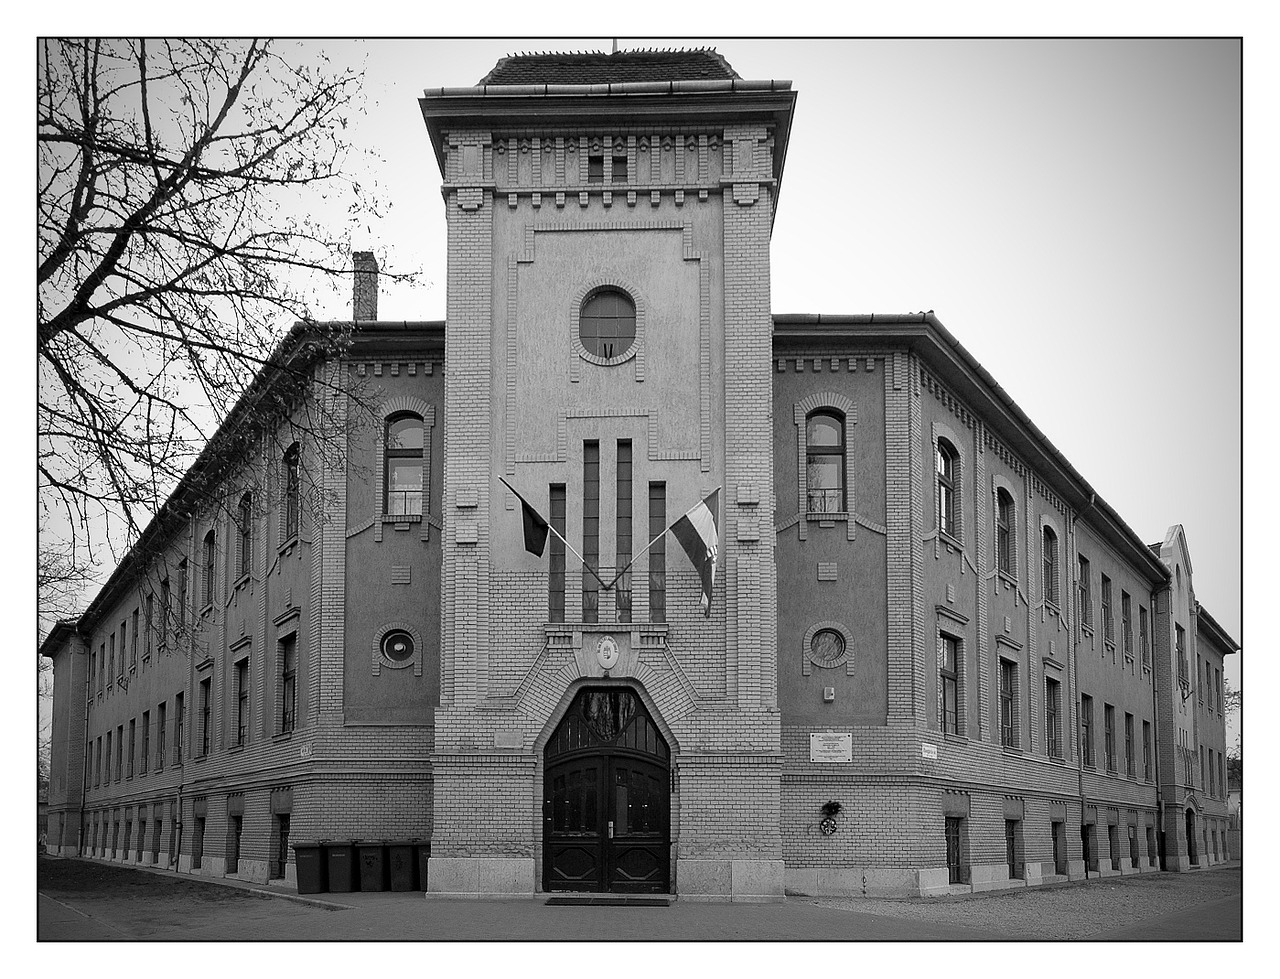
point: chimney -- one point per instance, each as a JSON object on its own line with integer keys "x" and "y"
{"x": 365, "y": 298}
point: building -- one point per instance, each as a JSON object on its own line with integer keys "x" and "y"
{"x": 934, "y": 659}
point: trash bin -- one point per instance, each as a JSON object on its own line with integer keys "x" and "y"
{"x": 309, "y": 863}
{"x": 402, "y": 865}
{"x": 342, "y": 869}
{"x": 424, "y": 854}
{"x": 373, "y": 864}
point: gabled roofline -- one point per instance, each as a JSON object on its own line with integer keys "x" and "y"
{"x": 925, "y": 335}
{"x": 62, "y": 630}
{"x": 1214, "y": 629}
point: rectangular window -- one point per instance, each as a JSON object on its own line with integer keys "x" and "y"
{"x": 166, "y": 612}
{"x": 1011, "y": 847}
{"x": 1217, "y": 687}
{"x": 590, "y": 530}
{"x": 1128, "y": 745}
{"x": 119, "y": 752}
{"x": 161, "y": 721}
{"x": 1108, "y": 625}
{"x": 595, "y": 169}
{"x": 178, "y": 727}
{"x": 1180, "y": 644}
{"x": 124, "y": 644}
{"x": 146, "y": 741}
{"x": 1199, "y": 685}
{"x": 93, "y": 668}
{"x": 1222, "y": 783}
{"x": 957, "y": 872}
{"x": 150, "y": 624}
{"x": 97, "y": 775}
{"x": 242, "y": 701}
{"x": 1126, "y": 624}
{"x": 1133, "y": 846}
{"x": 1089, "y": 845}
{"x": 1201, "y": 771}
{"x": 288, "y": 683}
{"x": 1109, "y": 735}
{"x": 1052, "y": 714}
{"x": 1113, "y": 839}
{"x": 624, "y": 517}
{"x": 619, "y": 174}
{"x": 949, "y": 654}
{"x": 1086, "y": 595}
{"x": 183, "y": 597}
{"x": 102, "y": 662}
{"x": 111, "y": 661}
{"x": 206, "y": 714}
{"x": 556, "y": 565}
{"x": 658, "y": 553}
{"x": 133, "y": 649}
{"x": 1008, "y": 682}
{"x": 1086, "y": 729}
{"x": 197, "y": 843}
{"x": 1144, "y": 640}
{"x": 1146, "y": 751}
{"x": 1208, "y": 684}
{"x": 1059, "y": 832}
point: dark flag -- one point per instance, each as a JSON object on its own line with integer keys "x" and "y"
{"x": 535, "y": 528}
{"x": 699, "y": 534}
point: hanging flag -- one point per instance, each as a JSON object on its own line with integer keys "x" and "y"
{"x": 699, "y": 534}
{"x": 535, "y": 528}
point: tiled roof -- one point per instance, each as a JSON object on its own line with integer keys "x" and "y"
{"x": 598, "y": 68}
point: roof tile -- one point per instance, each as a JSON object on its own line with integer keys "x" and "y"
{"x": 598, "y": 68}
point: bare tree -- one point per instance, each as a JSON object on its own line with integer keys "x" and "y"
{"x": 174, "y": 247}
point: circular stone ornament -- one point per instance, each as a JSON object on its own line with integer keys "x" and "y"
{"x": 607, "y": 652}
{"x": 828, "y": 826}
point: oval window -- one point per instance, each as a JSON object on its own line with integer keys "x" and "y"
{"x": 607, "y": 324}
{"x": 397, "y": 646}
{"x": 827, "y": 646}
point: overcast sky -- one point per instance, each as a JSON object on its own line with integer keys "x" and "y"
{"x": 1069, "y": 209}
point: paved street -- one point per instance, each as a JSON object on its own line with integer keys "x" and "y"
{"x": 85, "y": 901}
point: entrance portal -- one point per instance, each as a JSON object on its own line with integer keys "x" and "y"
{"x": 606, "y": 798}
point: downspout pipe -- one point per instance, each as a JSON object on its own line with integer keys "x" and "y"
{"x": 1075, "y": 668}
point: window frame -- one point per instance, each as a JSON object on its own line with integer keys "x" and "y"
{"x": 244, "y": 536}
{"x": 1108, "y": 625}
{"x": 288, "y": 647}
{"x": 947, "y": 487}
{"x": 243, "y": 706}
{"x": 590, "y": 338}
{"x": 208, "y": 568}
{"x": 1109, "y": 736}
{"x": 1006, "y": 522}
{"x": 292, "y": 495}
{"x": 1084, "y": 592}
{"x": 1086, "y": 731}
{"x": 1008, "y": 703}
{"x": 1130, "y": 766}
{"x": 390, "y": 453}
{"x": 1050, "y": 565}
{"x": 838, "y": 452}
{"x": 949, "y": 679}
{"x": 1053, "y": 717}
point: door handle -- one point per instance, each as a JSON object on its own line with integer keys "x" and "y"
{"x": 611, "y": 829}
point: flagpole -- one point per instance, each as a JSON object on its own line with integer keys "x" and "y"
{"x": 652, "y": 542}
{"x": 573, "y": 549}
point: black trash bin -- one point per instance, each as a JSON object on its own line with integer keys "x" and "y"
{"x": 371, "y": 855}
{"x": 424, "y": 854}
{"x": 402, "y": 865}
{"x": 342, "y": 866}
{"x": 309, "y": 863}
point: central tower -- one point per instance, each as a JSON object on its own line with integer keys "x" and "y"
{"x": 609, "y": 347}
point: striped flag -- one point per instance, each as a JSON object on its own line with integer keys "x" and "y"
{"x": 698, "y": 532}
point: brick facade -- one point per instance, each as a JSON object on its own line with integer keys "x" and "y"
{"x": 833, "y": 619}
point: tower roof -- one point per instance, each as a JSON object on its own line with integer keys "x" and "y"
{"x": 598, "y": 68}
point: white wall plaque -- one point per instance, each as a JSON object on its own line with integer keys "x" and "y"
{"x": 829, "y": 747}
{"x": 929, "y": 751}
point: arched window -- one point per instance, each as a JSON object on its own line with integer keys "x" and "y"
{"x": 1050, "y": 549}
{"x": 292, "y": 491}
{"x": 244, "y": 526}
{"x": 209, "y": 567}
{"x": 825, "y": 448}
{"x": 1006, "y": 524}
{"x": 607, "y": 323}
{"x": 948, "y": 488}
{"x": 403, "y": 464}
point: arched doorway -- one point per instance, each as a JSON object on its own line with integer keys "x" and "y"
{"x": 606, "y": 798}
{"x": 1191, "y": 837}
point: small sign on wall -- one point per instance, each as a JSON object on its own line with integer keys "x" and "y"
{"x": 829, "y": 747}
{"x": 929, "y": 751}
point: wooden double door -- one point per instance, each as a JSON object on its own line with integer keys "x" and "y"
{"x": 607, "y": 800}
